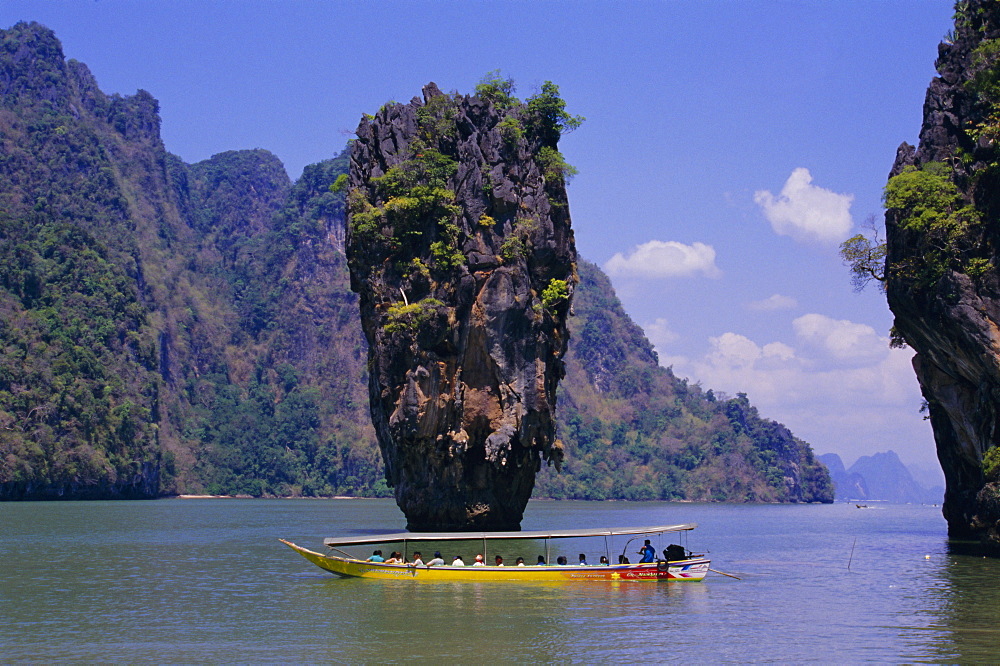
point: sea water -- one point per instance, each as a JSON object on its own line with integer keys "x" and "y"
{"x": 206, "y": 581}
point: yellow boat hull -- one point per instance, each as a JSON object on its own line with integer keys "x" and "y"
{"x": 685, "y": 570}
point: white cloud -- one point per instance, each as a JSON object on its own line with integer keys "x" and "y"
{"x": 773, "y": 302}
{"x": 841, "y": 339}
{"x": 838, "y": 386}
{"x": 806, "y": 212}
{"x": 664, "y": 259}
{"x": 733, "y": 351}
{"x": 659, "y": 333}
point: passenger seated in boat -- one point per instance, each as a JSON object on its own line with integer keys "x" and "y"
{"x": 394, "y": 558}
{"x": 437, "y": 561}
{"x": 376, "y": 557}
{"x": 499, "y": 561}
{"x": 604, "y": 561}
{"x": 479, "y": 561}
{"x": 583, "y": 560}
{"x": 519, "y": 562}
{"x": 561, "y": 560}
{"x": 458, "y": 562}
{"x": 417, "y": 560}
{"x": 541, "y": 561}
{"x": 648, "y": 553}
{"x": 623, "y": 560}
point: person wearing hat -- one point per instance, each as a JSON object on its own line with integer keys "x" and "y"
{"x": 458, "y": 562}
{"x": 437, "y": 561}
{"x": 479, "y": 561}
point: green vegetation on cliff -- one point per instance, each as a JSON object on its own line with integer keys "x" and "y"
{"x": 940, "y": 265}
{"x": 78, "y": 389}
{"x": 167, "y": 327}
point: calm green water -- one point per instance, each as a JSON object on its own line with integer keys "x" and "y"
{"x": 201, "y": 581}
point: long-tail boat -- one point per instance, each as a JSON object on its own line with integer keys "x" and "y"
{"x": 677, "y": 562}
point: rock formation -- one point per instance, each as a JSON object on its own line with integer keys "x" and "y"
{"x": 165, "y": 327}
{"x": 460, "y": 248}
{"x": 173, "y": 328}
{"x": 943, "y": 249}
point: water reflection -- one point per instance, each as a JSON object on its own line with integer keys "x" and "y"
{"x": 969, "y": 609}
{"x": 599, "y": 621}
{"x": 207, "y": 581}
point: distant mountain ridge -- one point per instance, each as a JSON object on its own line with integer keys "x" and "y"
{"x": 173, "y": 328}
{"x": 633, "y": 430}
{"x": 881, "y": 476}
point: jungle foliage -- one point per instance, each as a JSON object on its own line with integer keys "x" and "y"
{"x": 174, "y": 328}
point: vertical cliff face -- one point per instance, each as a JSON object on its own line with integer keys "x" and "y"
{"x": 460, "y": 248}
{"x": 943, "y": 249}
{"x": 165, "y": 327}
{"x": 78, "y": 388}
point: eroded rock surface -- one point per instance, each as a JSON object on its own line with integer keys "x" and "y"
{"x": 943, "y": 230}
{"x": 460, "y": 247}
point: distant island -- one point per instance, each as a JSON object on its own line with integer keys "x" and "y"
{"x": 172, "y": 328}
{"x": 882, "y": 477}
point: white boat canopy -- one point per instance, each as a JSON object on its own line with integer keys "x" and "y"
{"x": 481, "y": 536}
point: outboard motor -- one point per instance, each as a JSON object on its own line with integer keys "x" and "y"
{"x": 674, "y": 553}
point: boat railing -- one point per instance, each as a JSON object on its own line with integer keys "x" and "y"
{"x": 342, "y": 552}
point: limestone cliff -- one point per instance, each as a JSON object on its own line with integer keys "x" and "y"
{"x": 189, "y": 328}
{"x": 165, "y": 327}
{"x": 460, "y": 248}
{"x": 943, "y": 249}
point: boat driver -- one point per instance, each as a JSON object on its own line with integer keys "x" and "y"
{"x": 648, "y": 553}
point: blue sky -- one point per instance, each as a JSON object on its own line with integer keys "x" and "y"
{"x": 729, "y": 147}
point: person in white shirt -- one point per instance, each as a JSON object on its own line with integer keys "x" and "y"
{"x": 437, "y": 561}
{"x": 458, "y": 561}
{"x": 479, "y": 561}
{"x": 499, "y": 561}
{"x": 417, "y": 562}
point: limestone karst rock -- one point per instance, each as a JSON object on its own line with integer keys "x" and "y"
{"x": 943, "y": 249}
{"x": 460, "y": 248}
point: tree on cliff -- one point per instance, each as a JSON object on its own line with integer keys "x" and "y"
{"x": 940, "y": 265}
{"x": 460, "y": 248}
{"x": 864, "y": 255}
{"x": 170, "y": 327}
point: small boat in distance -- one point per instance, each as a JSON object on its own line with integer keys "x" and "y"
{"x": 676, "y": 564}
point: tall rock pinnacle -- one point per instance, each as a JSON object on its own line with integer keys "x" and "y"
{"x": 460, "y": 247}
{"x": 943, "y": 250}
